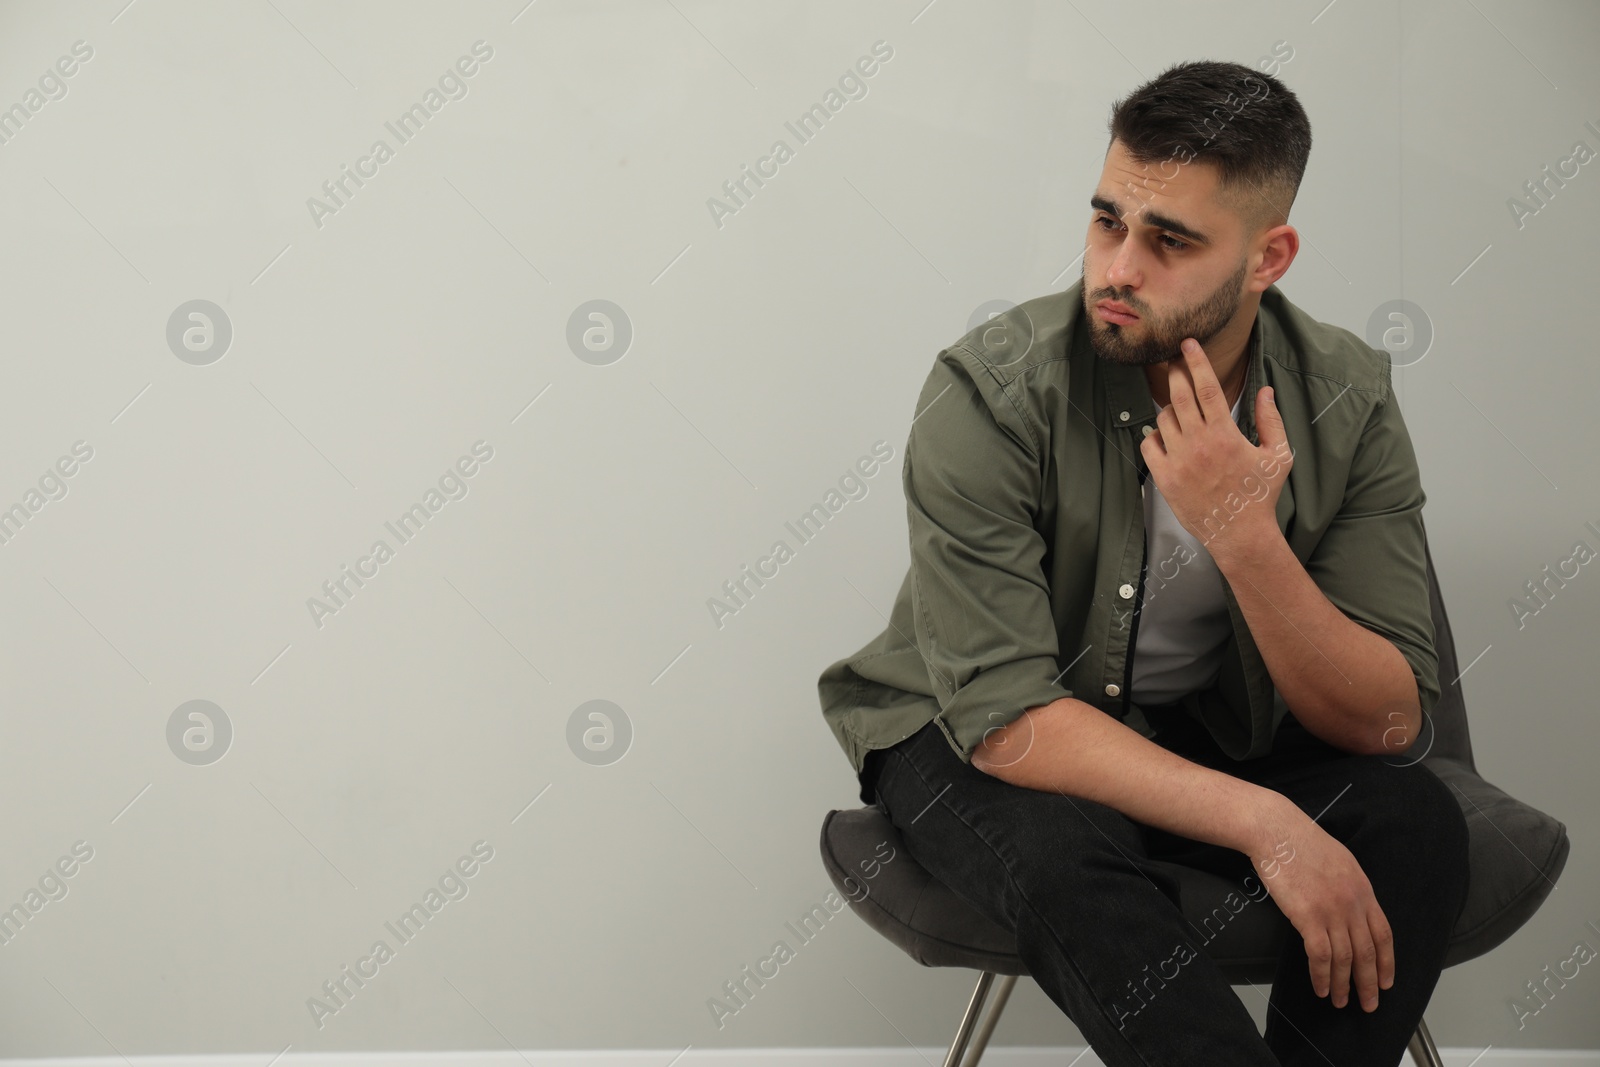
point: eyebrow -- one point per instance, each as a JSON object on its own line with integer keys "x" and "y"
{"x": 1154, "y": 219}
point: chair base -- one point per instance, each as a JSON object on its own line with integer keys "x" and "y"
{"x": 972, "y": 1037}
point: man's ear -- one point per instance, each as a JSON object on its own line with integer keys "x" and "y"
{"x": 1279, "y": 245}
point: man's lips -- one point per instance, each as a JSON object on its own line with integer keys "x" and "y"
{"x": 1112, "y": 311}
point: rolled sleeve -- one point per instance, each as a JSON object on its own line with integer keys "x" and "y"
{"x": 981, "y": 603}
{"x": 1371, "y": 563}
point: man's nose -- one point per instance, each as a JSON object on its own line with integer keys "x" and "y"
{"x": 1123, "y": 271}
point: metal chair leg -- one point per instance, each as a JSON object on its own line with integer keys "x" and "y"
{"x": 1424, "y": 1053}
{"x": 964, "y": 1034}
{"x": 967, "y": 1048}
{"x": 991, "y": 1016}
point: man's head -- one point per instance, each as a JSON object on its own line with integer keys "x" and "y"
{"x": 1189, "y": 222}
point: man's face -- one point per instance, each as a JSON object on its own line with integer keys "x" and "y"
{"x": 1174, "y": 256}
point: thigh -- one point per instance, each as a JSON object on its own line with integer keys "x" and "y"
{"x": 1400, "y": 821}
{"x": 1320, "y": 779}
{"x": 1377, "y": 805}
{"x": 1179, "y": 733}
{"x": 989, "y": 840}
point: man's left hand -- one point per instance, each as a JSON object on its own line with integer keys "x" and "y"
{"x": 1220, "y": 487}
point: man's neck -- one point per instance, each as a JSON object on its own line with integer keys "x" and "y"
{"x": 1231, "y": 370}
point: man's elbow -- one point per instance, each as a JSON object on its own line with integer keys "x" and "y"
{"x": 1390, "y": 729}
{"x": 1004, "y": 748}
{"x": 993, "y": 759}
{"x": 1394, "y": 727}
{"x": 1400, "y": 726}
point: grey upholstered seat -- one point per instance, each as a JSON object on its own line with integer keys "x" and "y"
{"x": 1517, "y": 853}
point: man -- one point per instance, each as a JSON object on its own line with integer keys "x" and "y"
{"x": 1168, "y": 601}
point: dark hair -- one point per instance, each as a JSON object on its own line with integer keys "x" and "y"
{"x": 1246, "y": 123}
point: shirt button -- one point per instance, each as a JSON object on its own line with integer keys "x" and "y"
{"x": 1148, "y": 429}
{"x": 1113, "y": 689}
{"x": 1123, "y": 416}
{"x": 1127, "y": 591}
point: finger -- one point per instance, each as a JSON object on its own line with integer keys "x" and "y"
{"x": 1154, "y": 450}
{"x": 1167, "y": 425}
{"x": 1383, "y": 941}
{"x": 1319, "y": 957}
{"x": 1208, "y": 393}
{"x": 1269, "y": 423}
{"x": 1364, "y": 964}
{"x": 1180, "y": 395}
{"x": 1339, "y": 975}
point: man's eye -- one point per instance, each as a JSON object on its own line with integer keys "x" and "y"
{"x": 1174, "y": 244}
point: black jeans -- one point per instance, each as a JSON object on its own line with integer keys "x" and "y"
{"x": 1092, "y": 915}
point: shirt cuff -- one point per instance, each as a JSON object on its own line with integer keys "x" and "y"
{"x": 995, "y": 697}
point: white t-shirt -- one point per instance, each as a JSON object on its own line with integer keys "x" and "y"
{"x": 1183, "y": 624}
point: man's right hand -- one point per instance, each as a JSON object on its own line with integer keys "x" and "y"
{"x": 1322, "y": 891}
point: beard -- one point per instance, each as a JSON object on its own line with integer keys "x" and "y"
{"x": 1158, "y": 339}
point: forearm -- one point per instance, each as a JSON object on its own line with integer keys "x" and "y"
{"x": 1347, "y": 685}
{"x": 1076, "y": 749}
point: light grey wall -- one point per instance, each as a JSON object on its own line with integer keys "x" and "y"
{"x": 373, "y": 346}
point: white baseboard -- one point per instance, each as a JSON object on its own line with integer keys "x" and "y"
{"x": 755, "y": 1057}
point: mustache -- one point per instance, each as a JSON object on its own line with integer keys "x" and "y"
{"x": 1097, "y": 297}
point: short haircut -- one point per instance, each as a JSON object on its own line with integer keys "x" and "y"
{"x": 1258, "y": 140}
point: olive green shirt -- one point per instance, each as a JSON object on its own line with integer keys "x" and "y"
{"x": 1026, "y": 516}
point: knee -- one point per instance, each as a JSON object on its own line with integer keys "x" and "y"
{"x": 1438, "y": 806}
{"x": 1422, "y": 813}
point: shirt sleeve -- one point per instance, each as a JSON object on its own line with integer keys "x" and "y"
{"x": 981, "y": 605}
{"x": 1371, "y": 563}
